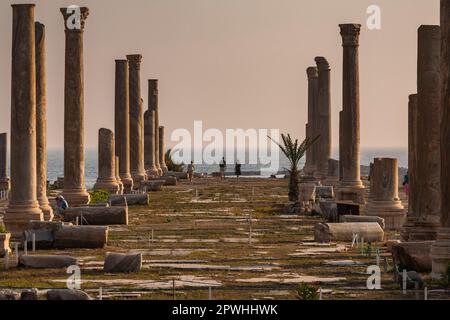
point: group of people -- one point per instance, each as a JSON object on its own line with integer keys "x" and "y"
{"x": 222, "y": 172}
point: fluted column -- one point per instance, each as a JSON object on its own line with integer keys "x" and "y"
{"x": 122, "y": 124}
{"x": 323, "y": 117}
{"x": 412, "y": 167}
{"x": 136, "y": 120}
{"x": 440, "y": 250}
{"x": 162, "y": 150}
{"x": 23, "y": 204}
{"x": 74, "y": 180}
{"x": 41, "y": 123}
{"x": 4, "y": 179}
{"x": 149, "y": 118}
{"x": 384, "y": 201}
{"x": 153, "y": 104}
{"x": 351, "y": 187}
{"x": 106, "y": 162}
{"x": 310, "y": 164}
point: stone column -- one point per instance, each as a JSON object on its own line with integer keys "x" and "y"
{"x": 162, "y": 150}
{"x": 384, "y": 201}
{"x": 428, "y": 194}
{"x": 351, "y": 187}
{"x": 332, "y": 178}
{"x": 74, "y": 186}
{"x": 122, "y": 124}
{"x": 23, "y": 203}
{"x": 341, "y": 144}
{"x": 154, "y": 105}
{"x": 149, "y": 118}
{"x": 313, "y": 87}
{"x": 106, "y": 162}
{"x": 412, "y": 167}
{"x": 136, "y": 120}
{"x": 119, "y": 181}
{"x": 41, "y": 123}
{"x": 440, "y": 250}
{"x": 323, "y": 117}
{"x": 4, "y": 179}
{"x": 371, "y": 181}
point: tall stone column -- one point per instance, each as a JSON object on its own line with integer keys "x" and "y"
{"x": 74, "y": 185}
{"x": 149, "y": 118}
{"x": 23, "y": 203}
{"x": 4, "y": 179}
{"x": 136, "y": 120}
{"x": 119, "y": 181}
{"x": 162, "y": 150}
{"x": 332, "y": 178}
{"x": 384, "y": 201}
{"x": 323, "y": 117}
{"x": 428, "y": 194}
{"x": 440, "y": 250}
{"x": 341, "y": 144}
{"x": 122, "y": 124}
{"x": 311, "y": 132}
{"x": 153, "y": 104}
{"x": 41, "y": 123}
{"x": 412, "y": 167}
{"x": 106, "y": 162}
{"x": 351, "y": 187}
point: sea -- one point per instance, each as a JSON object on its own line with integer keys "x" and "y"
{"x": 55, "y": 162}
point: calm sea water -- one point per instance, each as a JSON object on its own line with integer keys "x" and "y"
{"x": 55, "y": 160}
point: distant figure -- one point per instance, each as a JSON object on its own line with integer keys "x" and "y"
{"x": 237, "y": 170}
{"x": 406, "y": 183}
{"x": 61, "y": 205}
{"x": 223, "y": 168}
{"x": 190, "y": 171}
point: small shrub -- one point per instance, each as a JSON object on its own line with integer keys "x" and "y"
{"x": 3, "y": 229}
{"x": 307, "y": 292}
{"x": 99, "y": 196}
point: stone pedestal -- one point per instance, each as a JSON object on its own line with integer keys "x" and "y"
{"x": 323, "y": 118}
{"x": 153, "y": 105}
{"x": 162, "y": 151}
{"x": 136, "y": 120}
{"x": 440, "y": 250}
{"x": 74, "y": 186}
{"x": 106, "y": 163}
{"x": 384, "y": 201}
{"x": 4, "y": 179}
{"x": 122, "y": 124}
{"x": 351, "y": 187}
{"x": 41, "y": 124}
{"x": 149, "y": 150}
{"x": 23, "y": 204}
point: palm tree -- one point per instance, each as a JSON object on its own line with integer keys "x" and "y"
{"x": 294, "y": 152}
{"x": 171, "y": 165}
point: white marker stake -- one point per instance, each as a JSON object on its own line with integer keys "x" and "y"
{"x": 405, "y": 276}
{"x": 320, "y": 294}
{"x": 34, "y": 242}
{"x": 25, "y": 247}
{"x": 378, "y": 259}
{"x": 6, "y": 261}
{"x": 425, "y": 293}
{"x": 16, "y": 249}
{"x": 76, "y": 221}
{"x": 100, "y": 294}
{"x": 210, "y": 293}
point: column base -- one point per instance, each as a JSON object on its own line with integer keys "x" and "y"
{"x": 138, "y": 177}
{"x": 392, "y": 212}
{"x": 440, "y": 254}
{"x": 164, "y": 169}
{"x": 17, "y": 217}
{"x": 423, "y": 230}
{"x": 407, "y": 226}
{"x": 351, "y": 192}
{"x": 76, "y": 197}
{"x": 331, "y": 181}
{"x": 152, "y": 173}
{"x": 127, "y": 184}
{"x": 109, "y": 185}
{"x": 46, "y": 209}
{"x": 5, "y": 185}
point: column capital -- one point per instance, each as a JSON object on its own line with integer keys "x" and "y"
{"x": 72, "y": 23}
{"x": 134, "y": 61}
{"x": 350, "y": 34}
{"x": 322, "y": 64}
{"x": 312, "y": 73}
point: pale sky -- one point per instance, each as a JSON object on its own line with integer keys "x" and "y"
{"x": 231, "y": 63}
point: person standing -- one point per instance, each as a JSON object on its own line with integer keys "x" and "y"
{"x": 191, "y": 171}
{"x": 237, "y": 170}
{"x": 223, "y": 168}
{"x": 406, "y": 183}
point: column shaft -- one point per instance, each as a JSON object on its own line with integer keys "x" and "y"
{"x": 153, "y": 104}
{"x": 149, "y": 119}
{"x": 106, "y": 162}
{"x": 4, "y": 179}
{"x": 162, "y": 150}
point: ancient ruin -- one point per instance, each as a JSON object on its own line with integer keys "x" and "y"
{"x": 106, "y": 163}
{"x": 4, "y": 178}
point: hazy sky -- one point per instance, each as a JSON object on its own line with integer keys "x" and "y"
{"x": 231, "y": 63}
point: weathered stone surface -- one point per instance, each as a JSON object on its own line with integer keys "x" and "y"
{"x": 326, "y": 232}
{"x": 106, "y": 162}
{"x": 41, "y": 123}
{"x": 23, "y": 205}
{"x": 130, "y": 199}
{"x": 122, "y": 123}
{"x": 178, "y": 175}
{"x": 162, "y": 150}
{"x": 311, "y": 126}
{"x": 328, "y": 209}
{"x": 153, "y": 105}
{"x": 412, "y": 255}
{"x": 29, "y": 294}
{"x": 9, "y": 295}
{"x": 81, "y": 237}
{"x": 44, "y": 238}
{"x": 149, "y": 142}
{"x": 46, "y": 262}
{"x": 347, "y": 218}
{"x": 4, "y": 244}
{"x": 74, "y": 161}
{"x": 100, "y": 216}
{"x": 4, "y": 179}
{"x": 119, "y": 181}
{"x": 332, "y": 178}
{"x": 350, "y": 186}
{"x": 324, "y": 192}
{"x": 154, "y": 185}
{"x": 307, "y": 192}
{"x": 122, "y": 263}
{"x": 170, "y": 181}
{"x": 67, "y": 294}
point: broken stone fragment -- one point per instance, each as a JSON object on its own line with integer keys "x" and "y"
{"x": 46, "y": 262}
{"x": 97, "y": 216}
{"x": 412, "y": 255}
{"x": 130, "y": 199}
{"x": 123, "y": 263}
{"x": 67, "y": 294}
{"x": 327, "y": 232}
{"x": 348, "y": 218}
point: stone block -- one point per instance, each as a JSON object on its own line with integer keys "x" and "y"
{"x": 46, "y": 262}
{"x": 327, "y": 232}
{"x": 123, "y": 263}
